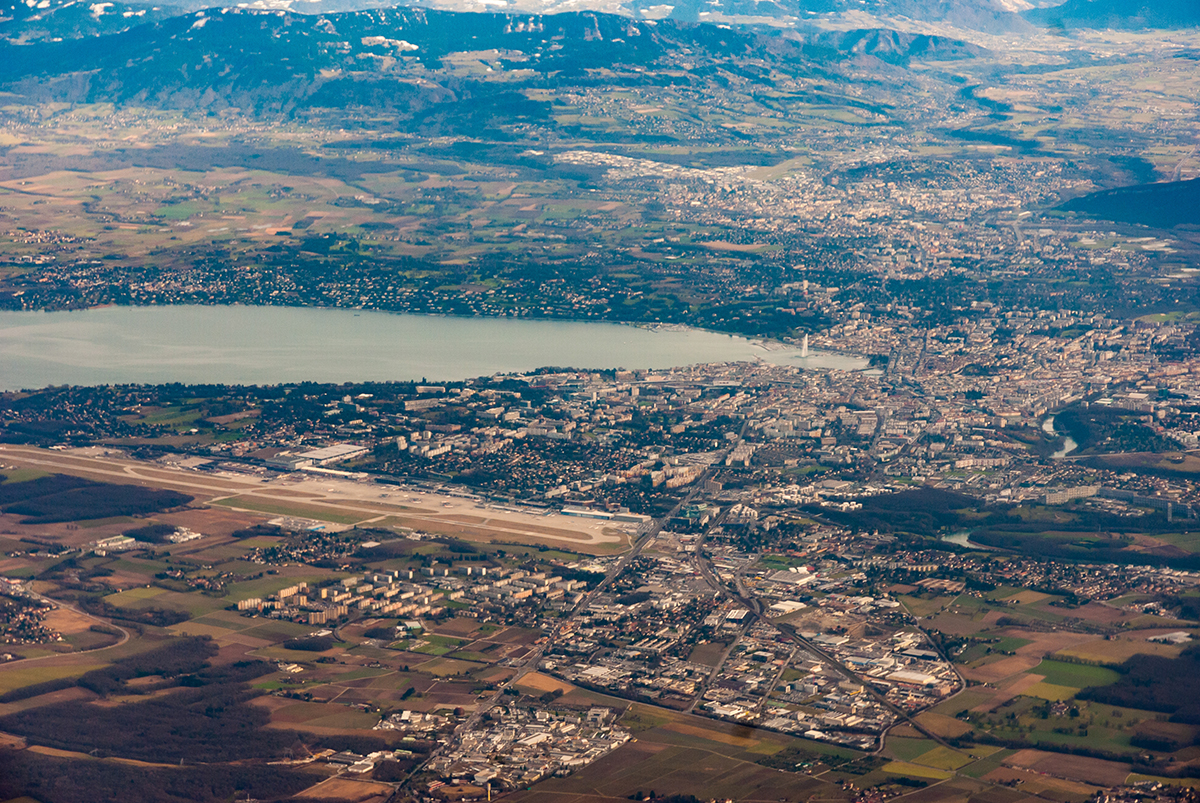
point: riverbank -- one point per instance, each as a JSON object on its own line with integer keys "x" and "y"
{"x": 1069, "y": 444}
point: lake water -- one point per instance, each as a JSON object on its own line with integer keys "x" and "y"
{"x": 266, "y": 345}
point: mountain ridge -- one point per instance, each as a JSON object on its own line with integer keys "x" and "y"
{"x": 49, "y": 20}
{"x": 1119, "y": 14}
{"x": 275, "y": 60}
{"x": 1161, "y": 204}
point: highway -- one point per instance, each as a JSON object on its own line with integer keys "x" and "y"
{"x": 741, "y": 595}
{"x": 531, "y": 661}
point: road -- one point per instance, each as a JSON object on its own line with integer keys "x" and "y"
{"x": 125, "y": 636}
{"x": 755, "y": 606}
{"x": 222, "y": 486}
{"x": 716, "y": 670}
{"x": 837, "y": 666}
{"x": 901, "y": 715}
{"x": 741, "y": 595}
{"x": 1179, "y": 165}
{"x": 531, "y": 661}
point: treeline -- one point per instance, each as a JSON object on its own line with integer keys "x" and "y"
{"x": 51, "y": 779}
{"x": 1111, "y": 430}
{"x": 204, "y": 716}
{"x": 931, "y": 512}
{"x": 977, "y": 737}
{"x": 579, "y": 575}
{"x": 791, "y": 757}
{"x": 174, "y": 658}
{"x": 11, "y": 493}
{"x": 309, "y": 644}
{"x": 154, "y": 617}
{"x": 151, "y": 533}
{"x": 1155, "y": 683}
{"x": 1138, "y": 762}
{"x": 1038, "y": 545}
{"x": 208, "y": 722}
{"x": 925, "y": 511}
{"x": 452, "y": 549}
{"x": 70, "y": 573}
{"x": 259, "y": 531}
{"x": 61, "y": 498}
{"x": 1159, "y": 744}
{"x": 1188, "y": 607}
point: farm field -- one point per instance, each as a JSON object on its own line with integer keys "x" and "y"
{"x": 200, "y": 606}
{"x": 684, "y": 763}
{"x": 187, "y": 593}
{"x": 369, "y": 668}
{"x": 1029, "y": 666}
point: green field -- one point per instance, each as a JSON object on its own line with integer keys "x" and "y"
{"x": 134, "y": 597}
{"x": 942, "y": 758}
{"x": 640, "y": 718}
{"x": 1010, "y": 644}
{"x": 465, "y": 655}
{"x": 279, "y": 631}
{"x": 193, "y": 604}
{"x": 1051, "y": 691}
{"x": 908, "y": 749}
{"x": 1092, "y": 726}
{"x": 365, "y": 672}
{"x": 1187, "y": 541}
{"x": 986, "y": 765}
{"x": 215, "y": 620}
{"x": 147, "y": 568}
{"x": 916, "y": 771}
{"x": 445, "y": 641}
{"x": 266, "y": 586}
{"x": 19, "y": 676}
{"x": 1078, "y": 676}
{"x": 920, "y": 607}
{"x": 284, "y": 509}
{"x": 22, "y": 474}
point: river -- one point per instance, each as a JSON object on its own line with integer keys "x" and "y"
{"x": 267, "y": 345}
{"x": 1069, "y": 444}
{"x": 963, "y": 539}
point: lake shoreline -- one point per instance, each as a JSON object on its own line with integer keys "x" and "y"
{"x": 275, "y": 344}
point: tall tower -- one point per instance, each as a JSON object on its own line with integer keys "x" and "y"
{"x": 804, "y": 348}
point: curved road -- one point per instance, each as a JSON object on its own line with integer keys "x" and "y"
{"x": 125, "y": 636}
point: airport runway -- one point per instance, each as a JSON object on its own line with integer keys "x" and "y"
{"x": 336, "y": 500}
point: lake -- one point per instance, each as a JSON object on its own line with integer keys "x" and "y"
{"x": 268, "y": 345}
